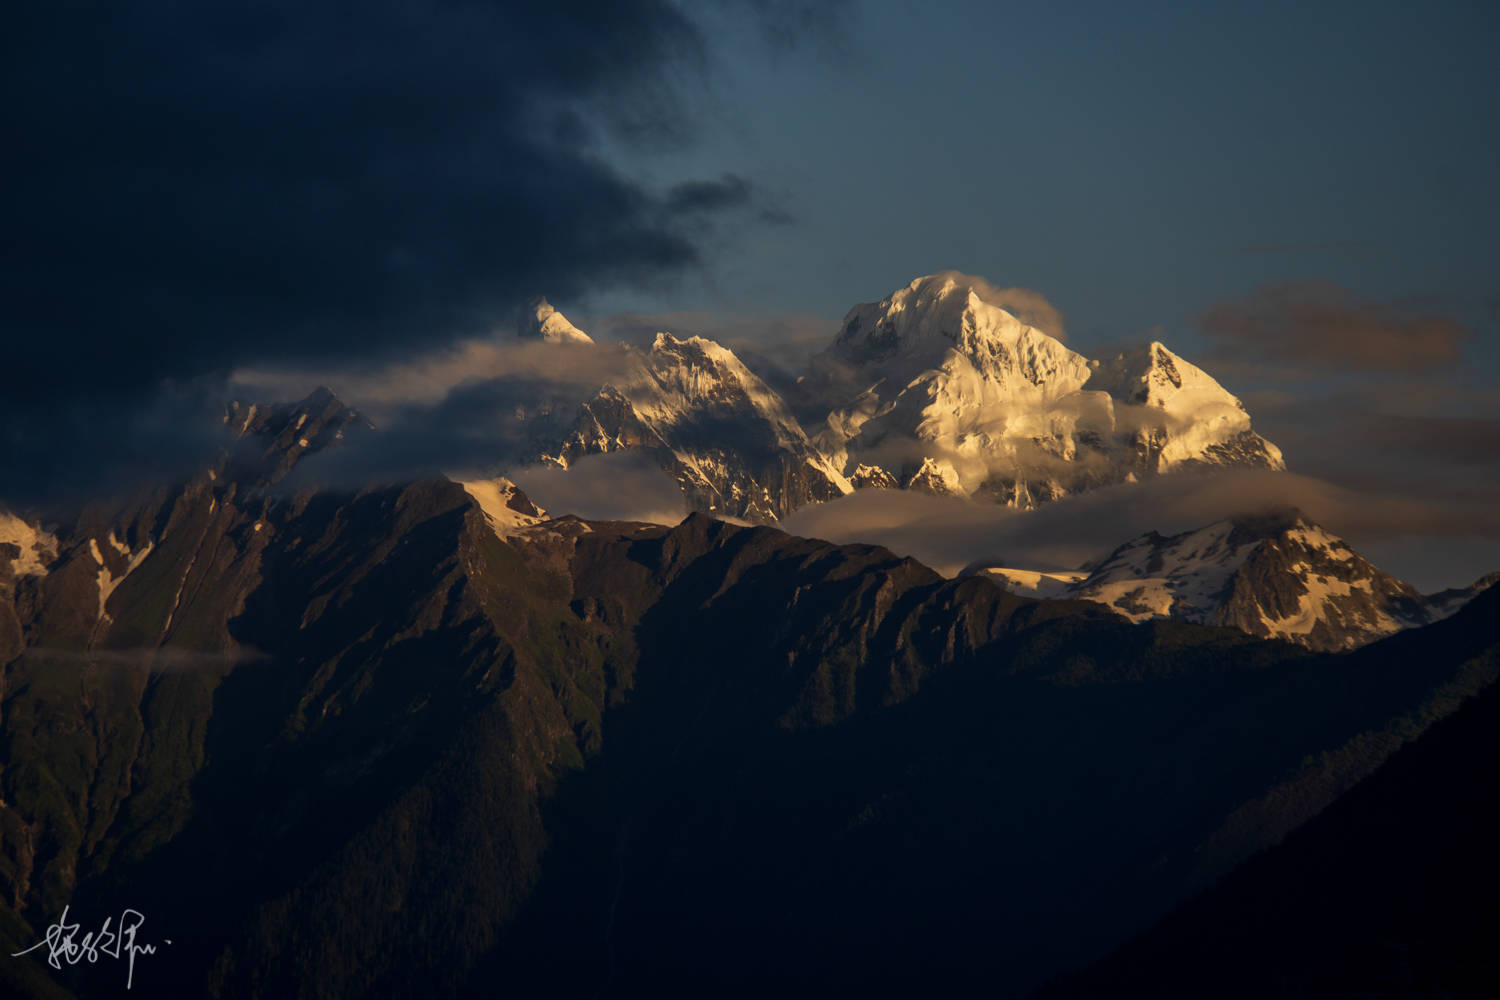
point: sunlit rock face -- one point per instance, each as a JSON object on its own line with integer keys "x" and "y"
{"x": 539, "y": 321}
{"x": 935, "y": 384}
{"x": 713, "y": 425}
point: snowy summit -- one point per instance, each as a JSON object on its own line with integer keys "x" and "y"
{"x": 936, "y": 388}
{"x": 539, "y": 321}
{"x": 939, "y": 384}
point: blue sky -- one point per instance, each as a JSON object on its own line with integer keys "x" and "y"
{"x": 1135, "y": 163}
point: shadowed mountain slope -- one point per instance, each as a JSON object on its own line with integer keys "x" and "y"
{"x": 1393, "y": 891}
{"x": 344, "y": 744}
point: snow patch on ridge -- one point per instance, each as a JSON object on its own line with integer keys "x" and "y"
{"x": 107, "y": 582}
{"x": 506, "y": 509}
{"x": 1156, "y": 577}
{"x": 1034, "y": 583}
{"x": 117, "y": 545}
{"x": 38, "y": 548}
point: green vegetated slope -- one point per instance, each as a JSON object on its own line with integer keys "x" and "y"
{"x": 341, "y": 744}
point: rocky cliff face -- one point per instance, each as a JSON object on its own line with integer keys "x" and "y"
{"x": 711, "y": 424}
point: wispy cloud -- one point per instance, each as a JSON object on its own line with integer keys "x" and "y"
{"x": 157, "y": 659}
{"x": 1323, "y": 324}
{"x": 1464, "y": 441}
{"x": 382, "y": 389}
{"x": 619, "y": 486}
{"x": 948, "y": 533}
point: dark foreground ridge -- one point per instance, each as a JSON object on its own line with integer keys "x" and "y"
{"x": 345, "y": 744}
{"x": 1394, "y": 890}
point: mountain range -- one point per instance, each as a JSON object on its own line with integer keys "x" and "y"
{"x": 938, "y": 389}
{"x": 934, "y": 388}
{"x": 423, "y": 738}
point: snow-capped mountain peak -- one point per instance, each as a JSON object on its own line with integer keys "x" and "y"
{"x": 1184, "y": 415}
{"x": 939, "y": 313}
{"x": 539, "y": 321}
{"x": 682, "y": 377}
{"x": 937, "y": 387}
{"x": 711, "y": 423}
{"x": 939, "y": 372}
{"x": 1277, "y": 576}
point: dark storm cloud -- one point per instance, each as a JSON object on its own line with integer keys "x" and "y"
{"x": 709, "y": 196}
{"x": 195, "y": 187}
{"x": 787, "y": 24}
{"x": 64, "y": 453}
{"x": 1323, "y": 324}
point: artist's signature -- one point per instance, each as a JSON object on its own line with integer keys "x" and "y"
{"x": 64, "y": 945}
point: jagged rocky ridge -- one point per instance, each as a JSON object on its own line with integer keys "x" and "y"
{"x": 713, "y": 425}
{"x": 934, "y": 388}
{"x": 421, "y": 738}
{"x": 1276, "y": 576}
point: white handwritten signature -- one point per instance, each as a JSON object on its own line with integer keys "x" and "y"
{"x": 62, "y": 946}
